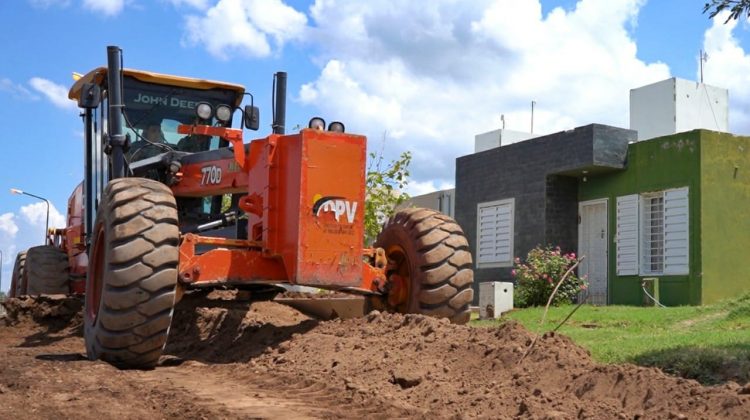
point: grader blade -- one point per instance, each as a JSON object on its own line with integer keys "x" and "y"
{"x": 328, "y": 308}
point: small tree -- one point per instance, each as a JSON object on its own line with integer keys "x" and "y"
{"x": 384, "y": 191}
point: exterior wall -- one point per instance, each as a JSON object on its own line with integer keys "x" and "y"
{"x": 654, "y": 165}
{"x": 442, "y": 201}
{"x": 725, "y": 205}
{"x": 677, "y": 105}
{"x": 652, "y": 109}
{"x": 540, "y": 175}
{"x": 700, "y": 106}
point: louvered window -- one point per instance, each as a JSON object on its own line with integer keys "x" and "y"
{"x": 627, "y": 235}
{"x": 495, "y": 233}
{"x": 653, "y": 228}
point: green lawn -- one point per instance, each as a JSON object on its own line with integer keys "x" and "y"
{"x": 707, "y": 343}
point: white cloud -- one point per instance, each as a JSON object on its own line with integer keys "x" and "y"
{"x": 197, "y": 4}
{"x": 433, "y": 74}
{"x": 416, "y": 188}
{"x": 728, "y": 66}
{"x": 16, "y": 91}
{"x": 8, "y": 226}
{"x": 245, "y": 27}
{"x": 57, "y": 94}
{"x": 36, "y": 215}
{"x": 107, "y": 7}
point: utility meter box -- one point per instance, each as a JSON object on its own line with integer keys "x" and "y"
{"x": 495, "y": 297}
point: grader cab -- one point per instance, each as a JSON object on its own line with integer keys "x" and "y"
{"x": 174, "y": 200}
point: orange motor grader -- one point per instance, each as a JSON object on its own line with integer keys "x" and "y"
{"x": 174, "y": 200}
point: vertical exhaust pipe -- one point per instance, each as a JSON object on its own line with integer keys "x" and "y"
{"x": 114, "y": 95}
{"x": 279, "y": 95}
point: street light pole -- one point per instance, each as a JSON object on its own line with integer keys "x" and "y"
{"x": 1, "y": 266}
{"x": 46, "y": 226}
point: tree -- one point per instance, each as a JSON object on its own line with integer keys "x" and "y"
{"x": 736, "y": 8}
{"x": 384, "y": 191}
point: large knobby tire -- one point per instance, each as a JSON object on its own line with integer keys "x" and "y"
{"x": 132, "y": 276}
{"x": 47, "y": 271}
{"x": 429, "y": 250}
{"x": 17, "y": 285}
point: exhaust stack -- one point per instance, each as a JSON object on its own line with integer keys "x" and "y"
{"x": 279, "y": 112}
{"x": 116, "y": 105}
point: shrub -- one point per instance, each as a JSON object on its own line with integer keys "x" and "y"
{"x": 537, "y": 277}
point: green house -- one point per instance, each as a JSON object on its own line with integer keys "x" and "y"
{"x": 675, "y": 221}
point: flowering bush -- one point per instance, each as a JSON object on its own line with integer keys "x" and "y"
{"x": 537, "y": 277}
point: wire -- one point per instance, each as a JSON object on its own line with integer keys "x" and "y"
{"x": 643, "y": 286}
{"x": 705, "y": 89}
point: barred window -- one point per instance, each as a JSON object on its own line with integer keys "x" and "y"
{"x": 653, "y": 233}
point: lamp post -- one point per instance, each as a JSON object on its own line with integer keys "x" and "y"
{"x": 1, "y": 266}
{"x": 46, "y": 227}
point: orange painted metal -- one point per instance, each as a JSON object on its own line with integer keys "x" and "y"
{"x": 193, "y": 181}
{"x": 242, "y": 263}
{"x": 311, "y": 186}
{"x": 305, "y": 209}
{"x": 72, "y": 241}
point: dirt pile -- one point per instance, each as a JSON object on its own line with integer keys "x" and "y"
{"x": 56, "y": 312}
{"x": 229, "y": 358}
{"x": 445, "y": 370}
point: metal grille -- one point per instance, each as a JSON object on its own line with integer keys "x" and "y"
{"x": 653, "y": 233}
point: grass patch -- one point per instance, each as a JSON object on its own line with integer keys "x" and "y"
{"x": 708, "y": 343}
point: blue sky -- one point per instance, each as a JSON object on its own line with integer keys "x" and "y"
{"x": 424, "y": 76}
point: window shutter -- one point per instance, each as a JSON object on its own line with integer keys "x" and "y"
{"x": 676, "y": 231}
{"x": 627, "y": 235}
{"x": 495, "y": 232}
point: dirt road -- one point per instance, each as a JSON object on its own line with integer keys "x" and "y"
{"x": 231, "y": 359}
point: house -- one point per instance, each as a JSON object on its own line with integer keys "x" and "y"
{"x": 442, "y": 201}
{"x": 668, "y": 213}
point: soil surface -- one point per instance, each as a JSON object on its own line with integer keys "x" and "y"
{"x": 230, "y": 358}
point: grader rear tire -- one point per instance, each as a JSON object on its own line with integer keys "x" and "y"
{"x": 17, "y": 285}
{"x": 132, "y": 278}
{"x": 430, "y": 252}
{"x": 46, "y": 271}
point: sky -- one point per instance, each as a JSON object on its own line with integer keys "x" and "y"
{"x": 423, "y": 76}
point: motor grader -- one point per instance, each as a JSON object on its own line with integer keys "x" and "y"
{"x": 174, "y": 201}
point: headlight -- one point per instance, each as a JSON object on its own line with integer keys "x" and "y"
{"x": 204, "y": 110}
{"x": 317, "y": 123}
{"x": 336, "y": 127}
{"x": 223, "y": 113}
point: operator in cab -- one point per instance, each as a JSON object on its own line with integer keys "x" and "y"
{"x": 150, "y": 142}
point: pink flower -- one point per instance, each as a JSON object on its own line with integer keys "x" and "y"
{"x": 573, "y": 255}
{"x": 513, "y": 272}
{"x": 584, "y": 286}
{"x": 518, "y": 260}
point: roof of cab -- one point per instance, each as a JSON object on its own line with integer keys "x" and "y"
{"x": 98, "y": 75}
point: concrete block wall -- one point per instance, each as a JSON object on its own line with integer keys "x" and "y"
{"x": 541, "y": 174}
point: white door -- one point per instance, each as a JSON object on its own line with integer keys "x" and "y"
{"x": 592, "y": 244}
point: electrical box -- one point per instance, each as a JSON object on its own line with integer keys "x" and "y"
{"x": 495, "y": 297}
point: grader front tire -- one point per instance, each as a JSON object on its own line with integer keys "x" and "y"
{"x": 132, "y": 278}
{"x": 429, "y": 251}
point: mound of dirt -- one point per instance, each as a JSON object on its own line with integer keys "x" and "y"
{"x": 430, "y": 366}
{"x": 387, "y": 364}
{"x": 219, "y": 330}
{"x": 55, "y": 311}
